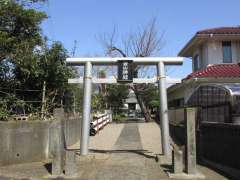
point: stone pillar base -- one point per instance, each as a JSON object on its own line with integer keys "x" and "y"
{"x": 198, "y": 175}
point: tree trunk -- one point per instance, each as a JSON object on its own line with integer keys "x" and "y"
{"x": 144, "y": 109}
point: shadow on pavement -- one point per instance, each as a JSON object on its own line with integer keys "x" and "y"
{"x": 141, "y": 152}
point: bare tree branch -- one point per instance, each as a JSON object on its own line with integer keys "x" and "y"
{"x": 142, "y": 43}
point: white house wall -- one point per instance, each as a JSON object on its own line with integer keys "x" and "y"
{"x": 236, "y": 51}
{"x": 204, "y": 55}
{"x": 215, "y": 54}
{"x": 202, "y": 51}
{"x": 211, "y": 53}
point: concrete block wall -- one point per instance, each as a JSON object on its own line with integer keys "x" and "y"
{"x": 30, "y": 141}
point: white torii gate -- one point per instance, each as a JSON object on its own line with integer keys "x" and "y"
{"x": 160, "y": 63}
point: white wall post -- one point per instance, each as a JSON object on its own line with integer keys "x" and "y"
{"x": 86, "y": 109}
{"x": 163, "y": 110}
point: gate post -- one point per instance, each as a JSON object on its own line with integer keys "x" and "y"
{"x": 164, "y": 124}
{"x": 86, "y": 108}
{"x": 190, "y": 120}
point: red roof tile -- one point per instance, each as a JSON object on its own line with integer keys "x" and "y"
{"x": 221, "y": 30}
{"x": 217, "y": 70}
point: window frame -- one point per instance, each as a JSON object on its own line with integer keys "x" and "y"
{"x": 196, "y": 62}
{"x": 227, "y": 52}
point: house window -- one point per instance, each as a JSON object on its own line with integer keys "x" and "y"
{"x": 196, "y": 62}
{"x": 227, "y": 51}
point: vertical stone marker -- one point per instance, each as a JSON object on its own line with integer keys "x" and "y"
{"x": 190, "y": 151}
{"x": 190, "y": 115}
{"x": 58, "y": 144}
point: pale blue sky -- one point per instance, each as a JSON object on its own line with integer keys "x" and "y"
{"x": 83, "y": 20}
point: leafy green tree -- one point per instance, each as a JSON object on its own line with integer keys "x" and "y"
{"x": 27, "y": 62}
{"x": 19, "y": 30}
{"x": 98, "y": 102}
{"x": 54, "y": 71}
{"x": 10, "y": 104}
{"x": 19, "y": 35}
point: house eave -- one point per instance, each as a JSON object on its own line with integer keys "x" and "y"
{"x": 186, "y": 51}
{"x": 213, "y": 80}
{"x": 197, "y": 39}
{"x": 208, "y": 80}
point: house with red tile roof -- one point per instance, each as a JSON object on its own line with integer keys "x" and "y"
{"x": 215, "y": 55}
{"x": 213, "y": 87}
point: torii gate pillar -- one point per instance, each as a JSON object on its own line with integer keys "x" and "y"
{"x": 87, "y": 94}
{"x": 164, "y": 124}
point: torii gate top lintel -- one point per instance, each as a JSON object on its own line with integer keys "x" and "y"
{"x": 114, "y": 60}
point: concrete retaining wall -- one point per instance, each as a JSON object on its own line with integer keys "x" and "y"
{"x": 22, "y": 142}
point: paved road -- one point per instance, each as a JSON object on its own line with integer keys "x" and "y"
{"x": 125, "y": 163}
